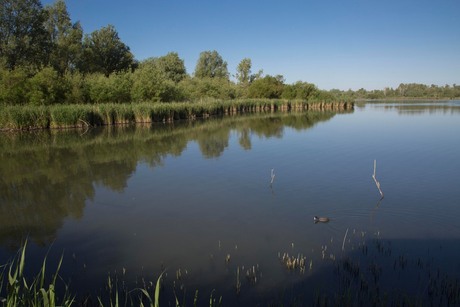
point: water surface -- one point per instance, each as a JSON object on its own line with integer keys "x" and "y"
{"x": 196, "y": 197}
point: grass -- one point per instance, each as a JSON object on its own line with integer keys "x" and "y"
{"x": 81, "y": 115}
{"x": 19, "y": 290}
{"x": 357, "y": 282}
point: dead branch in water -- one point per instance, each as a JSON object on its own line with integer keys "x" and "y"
{"x": 272, "y": 176}
{"x": 377, "y": 183}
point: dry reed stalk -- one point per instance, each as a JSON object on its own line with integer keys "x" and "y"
{"x": 344, "y": 238}
{"x": 272, "y": 176}
{"x": 377, "y": 183}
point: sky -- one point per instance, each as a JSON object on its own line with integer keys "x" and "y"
{"x": 335, "y": 44}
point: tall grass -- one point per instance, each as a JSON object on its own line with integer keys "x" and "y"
{"x": 19, "y": 290}
{"x": 81, "y": 115}
{"x": 24, "y": 117}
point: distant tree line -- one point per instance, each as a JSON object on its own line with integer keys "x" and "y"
{"x": 46, "y": 59}
{"x": 403, "y": 91}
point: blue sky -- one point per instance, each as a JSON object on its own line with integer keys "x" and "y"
{"x": 332, "y": 43}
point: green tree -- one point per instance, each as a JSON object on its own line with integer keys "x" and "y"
{"x": 65, "y": 37}
{"x": 46, "y": 88}
{"x": 23, "y": 38}
{"x": 299, "y": 90}
{"x": 243, "y": 71}
{"x": 211, "y": 65}
{"x": 172, "y": 66}
{"x": 116, "y": 88}
{"x": 13, "y": 86}
{"x": 195, "y": 89}
{"x": 150, "y": 82}
{"x": 104, "y": 52}
{"x": 267, "y": 87}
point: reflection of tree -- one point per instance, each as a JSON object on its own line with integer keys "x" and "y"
{"x": 47, "y": 176}
{"x": 213, "y": 142}
{"x": 420, "y": 108}
{"x": 36, "y": 207}
{"x": 245, "y": 139}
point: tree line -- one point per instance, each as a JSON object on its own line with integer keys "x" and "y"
{"x": 403, "y": 91}
{"x": 47, "y": 59}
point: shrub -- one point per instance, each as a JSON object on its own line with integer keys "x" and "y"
{"x": 46, "y": 88}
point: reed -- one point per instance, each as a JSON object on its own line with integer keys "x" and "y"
{"x": 19, "y": 290}
{"x": 67, "y": 116}
{"x": 24, "y": 117}
{"x": 83, "y": 115}
{"x": 377, "y": 183}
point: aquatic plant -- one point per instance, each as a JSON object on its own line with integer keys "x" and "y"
{"x": 84, "y": 115}
{"x": 20, "y": 290}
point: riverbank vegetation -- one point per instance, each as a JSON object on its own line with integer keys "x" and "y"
{"x": 81, "y": 115}
{"x": 405, "y": 91}
{"x": 46, "y": 60}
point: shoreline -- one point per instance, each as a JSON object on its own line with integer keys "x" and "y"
{"x": 15, "y": 118}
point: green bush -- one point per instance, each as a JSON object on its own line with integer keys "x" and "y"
{"x": 77, "y": 89}
{"x": 46, "y": 88}
{"x": 13, "y": 86}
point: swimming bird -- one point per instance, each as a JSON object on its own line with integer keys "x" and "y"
{"x": 320, "y": 219}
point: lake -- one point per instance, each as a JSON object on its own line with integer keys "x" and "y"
{"x": 225, "y": 206}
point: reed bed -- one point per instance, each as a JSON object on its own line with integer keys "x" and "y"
{"x": 81, "y": 115}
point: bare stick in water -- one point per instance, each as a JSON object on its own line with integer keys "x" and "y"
{"x": 344, "y": 238}
{"x": 375, "y": 179}
{"x": 272, "y": 176}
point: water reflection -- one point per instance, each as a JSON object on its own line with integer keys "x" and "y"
{"x": 48, "y": 176}
{"x": 423, "y": 108}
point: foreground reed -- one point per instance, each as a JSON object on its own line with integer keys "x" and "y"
{"x": 83, "y": 115}
{"x": 19, "y": 290}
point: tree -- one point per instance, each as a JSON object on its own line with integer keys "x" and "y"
{"x": 299, "y": 90}
{"x": 211, "y": 65}
{"x": 65, "y": 37}
{"x": 23, "y": 38}
{"x": 172, "y": 66}
{"x": 243, "y": 71}
{"x": 150, "y": 83}
{"x": 104, "y": 52}
{"x": 46, "y": 88}
{"x": 266, "y": 87}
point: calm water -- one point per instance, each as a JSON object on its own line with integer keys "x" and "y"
{"x": 196, "y": 197}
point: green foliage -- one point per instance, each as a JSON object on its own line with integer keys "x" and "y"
{"x": 13, "y": 86}
{"x": 267, "y": 87}
{"x": 203, "y": 88}
{"x": 299, "y": 90}
{"x": 46, "y": 88}
{"x": 73, "y": 116}
{"x": 104, "y": 52}
{"x": 151, "y": 83}
{"x": 403, "y": 91}
{"x": 114, "y": 88}
{"x": 65, "y": 37}
{"x": 211, "y": 65}
{"x": 243, "y": 71}
{"x": 77, "y": 88}
{"x": 23, "y": 37}
{"x": 172, "y": 67}
{"x": 24, "y": 117}
{"x": 23, "y": 291}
